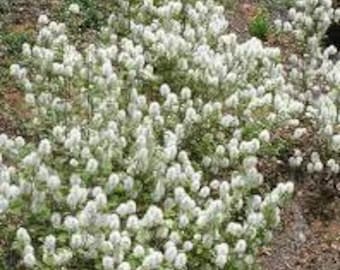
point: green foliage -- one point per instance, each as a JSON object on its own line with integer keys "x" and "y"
{"x": 228, "y": 4}
{"x": 13, "y": 41}
{"x": 93, "y": 12}
{"x": 259, "y": 26}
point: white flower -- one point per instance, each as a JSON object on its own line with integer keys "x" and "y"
{"x": 28, "y": 249}
{"x": 235, "y": 229}
{"x": 287, "y": 27}
{"x": 241, "y": 246}
{"x": 222, "y": 249}
{"x": 107, "y": 69}
{"x": 310, "y": 167}
{"x": 53, "y": 182}
{"x": 180, "y": 261}
{"x": 115, "y": 237}
{"x": 85, "y": 153}
{"x": 112, "y": 182}
{"x": 335, "y": 168}
{"x": 220, "y": 150}
{"x": 318, "y": 166}
{"x": 71, "y": 223}
{"x": 92, "y": 166}
{"x": 74, "y": 162}
{"x": 29, "y": 260}
{"x": 221, "y": 261}
{"x": 113, "y": 221}
{"x": 30, "y": 99}
{"x": 44, "y": 147}
{"x": 153, "y": 217}
{"x": 23, "y": 236}
{"x": 63, "y": 257}
{"x": 101, "y": 200}
{"x": 175, "y": 237}
{"x": 287, "y": 187}
{"x": 188, "y": 246}
{"x": 31, "y": 160}
{"x": 125, "y": 209}
{"x": 295, "y": 161}
{"x": 26, "y": 50}
{"x": 249, "y": 259}
{"x": 299, "y": 132}
{"x": 255, "y": 219}
{"x": 250, "y": 147}
{"x": 76, "y": 241}
{"x": 74, "y": 8}
{"x": 264, "y": 136}
{"x": 3, "y": 204}
{"x": 106, "y": 247}
{"x": 43, "y": 19}
{"x": 185, "y": 93}
{"x": 153, "y": 260}
{"x": 108, "y": 263}
{"x": 124, "y": 266}
{"x": 170, "y": 253}
{"x": 165, "y": 90}
{"x": 138, "y": 251}
{"x": 336, "y": 142}
{"x": 154, "y": 109}
{"x": 249, "y": 162}
{"x": 204, "y": 192}
{"x": 3, "y": 139}
{"x": 132, "y": 223}
{"x": 50, "y": 243}
{"x": 56, "y": 220}
{"x": 128, "y": 183}
{"x": 58, "y": 133}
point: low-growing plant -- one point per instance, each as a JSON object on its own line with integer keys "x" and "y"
{"x": 13, "y": 41}
{"x": 259, "y": 25}
{"x": 143, "y": 149}
{"x": 93, "y": 13}
{"x": 228, "y": 4}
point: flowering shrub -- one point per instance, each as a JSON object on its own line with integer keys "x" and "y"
{"x": 143, "y": 147}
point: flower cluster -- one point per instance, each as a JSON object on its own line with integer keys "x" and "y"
{"x": 145, "y": 145}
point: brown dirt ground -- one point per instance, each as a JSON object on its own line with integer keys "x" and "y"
{"x": 309, "y": 238}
